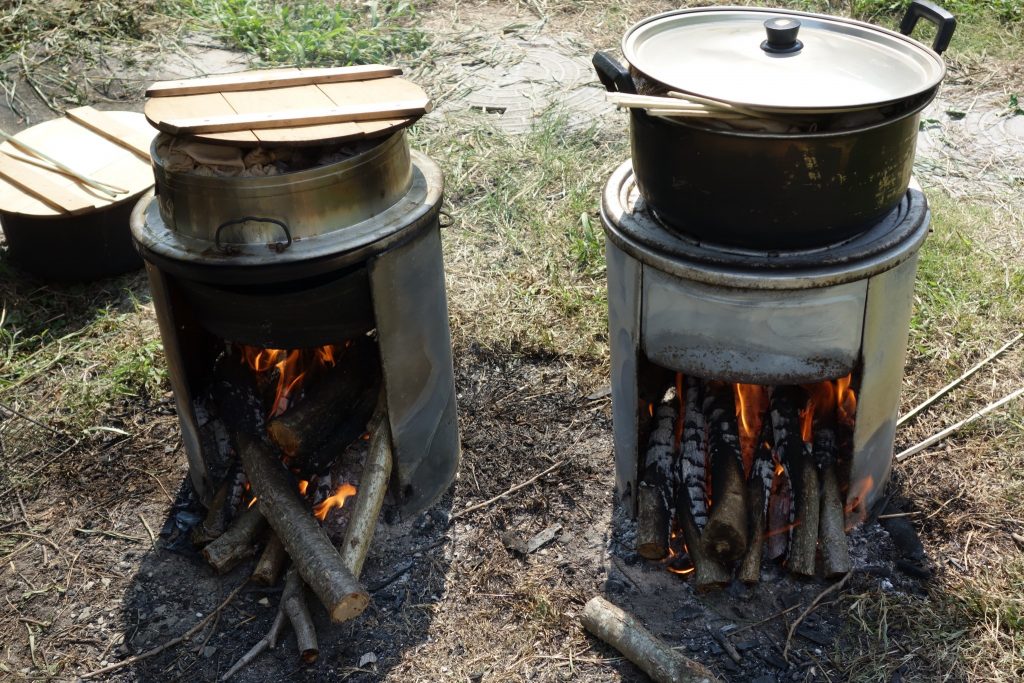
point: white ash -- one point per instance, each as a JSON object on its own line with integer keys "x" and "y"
{"x": 181, "y": 155}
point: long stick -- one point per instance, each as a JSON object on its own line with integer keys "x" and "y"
{"x": 935, "y": 438}
{"x": 959, "y": 380}
{"x": 105, "y": 188}
{"x": 170, "y": 643}
{"x": 473, "y": 508}
{"x": 810, "y": 608}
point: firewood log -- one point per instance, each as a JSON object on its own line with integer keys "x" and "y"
{"x": 373, "y": 487}
{"x": 758, "y": 489}
{"x": 651, "y": 654}
{"x": 311, "y": 551}
{"x": 271, "y": 563}
{"x": 219, "y": 514}
{"x": 796, "y": 457}
{"x": 780, "y": 516}
{"x": 293, "y": 602}
{"x": 708, "y": 573}
{"x": 335, "y": 406}
{"x": 693, "y": 459}
{"x": 725, "y": 536}
{"x": 237, "y": 543}
{"x": 835, "y": 553}
{"x": 654, "y": 507}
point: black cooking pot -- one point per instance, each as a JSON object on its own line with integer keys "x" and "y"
{"x": 832, "y": 109}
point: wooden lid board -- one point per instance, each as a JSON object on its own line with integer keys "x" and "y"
{"x": 31, "y": 187}
{"x": 323, "y": 91}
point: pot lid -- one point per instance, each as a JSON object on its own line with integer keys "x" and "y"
{"x": 780, "y": 60}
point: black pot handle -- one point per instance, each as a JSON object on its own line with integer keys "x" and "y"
{"x": 945, "y": 23}
{"x": 613, "y": 76}
{"x": 275, "y": 246}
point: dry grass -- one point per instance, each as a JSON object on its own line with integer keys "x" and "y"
{"x": 525, "y": 273}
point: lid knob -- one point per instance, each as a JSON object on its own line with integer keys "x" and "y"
{"x": 782, "y": 35}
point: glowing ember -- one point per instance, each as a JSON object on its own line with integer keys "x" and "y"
{"x": 303, "y": 487}
{"x": 335, "y": 501}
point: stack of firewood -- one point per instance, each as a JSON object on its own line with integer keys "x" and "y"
{"x": 733, "y": 499}
{"x": 274, "y": 458}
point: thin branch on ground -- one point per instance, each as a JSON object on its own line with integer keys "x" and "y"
{"x": 810, "y": 608}
{"x": 170, "y": 643}
{"x": 509, "y": 492}
{"x": 959, "y": 380}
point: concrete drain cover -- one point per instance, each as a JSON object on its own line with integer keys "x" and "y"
{"x": 521, "y": 80}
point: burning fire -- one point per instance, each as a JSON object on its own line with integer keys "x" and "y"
{"x": 341, "y": 494}
{"x": 751, "y": 404}
{"x": 293, "y": 367}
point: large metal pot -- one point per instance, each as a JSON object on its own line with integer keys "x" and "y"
{"x": 275, "y": 210}
{"x": 839, "y": 101}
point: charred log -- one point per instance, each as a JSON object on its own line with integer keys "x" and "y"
{"x": 758, "y": 490}
{"x": 780, "y": 515}
{"x": 725, "y": 536}
{"x": 693, "y": 458}
{"x": 271, "y": 563}
{"x": 835, "y": 553}
{"x": 786, "y": 403}
{"x": 651, "y": 654}
{"x": 237, "y": 543}
{"x": 221, "y": 510}
{"x": 335, "y": 408}
{"x": 654, "y": 511}
{"x": 312, "y": 552}
{"x": 708, "y": 573}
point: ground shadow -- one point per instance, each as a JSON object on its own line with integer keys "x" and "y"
{"x": 174, "y": 588}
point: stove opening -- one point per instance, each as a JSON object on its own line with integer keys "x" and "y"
{"x": 733, "y": 474}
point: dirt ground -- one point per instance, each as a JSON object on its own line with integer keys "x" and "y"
{"x": 96, "y": 565}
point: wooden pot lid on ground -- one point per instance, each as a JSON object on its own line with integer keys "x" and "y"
{"x": 287, "y": 106}
{"x": 55, "y": 224}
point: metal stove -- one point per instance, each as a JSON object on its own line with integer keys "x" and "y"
{"x": 383, "y": 273}
{"x": 760, "y": 317}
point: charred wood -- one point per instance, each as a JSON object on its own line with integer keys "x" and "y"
{"x": 835, "y": 553}
{"x": 780, "y": 516}
{"x": 708, "y": 573}
{"x": 221, "y": 510}
{"x": 654, "y": 510}
{"x": 725, "y": 536}
{"x": 758, "y": 491}
{"x": 312, "y": 553}
{"x": 335, "y": 407}
{"x": 785, "y": 405}
{"x": 651, "y": 654}
{"x": 693, "y": 458}
{"x": 237, "y": 543}
{"x": 271, "y": 563}
{"x": 293, "y": 602}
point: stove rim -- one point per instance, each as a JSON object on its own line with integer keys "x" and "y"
{"x": 625, "y": 220}
{"x": 341, "y": 248}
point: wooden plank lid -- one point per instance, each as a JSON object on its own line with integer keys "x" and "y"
{"x": 109, "y": 148}
{"x": 287, "y": 106}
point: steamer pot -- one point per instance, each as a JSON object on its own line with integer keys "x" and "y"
{"x": 277, "y": 210}
{"x": 842, "y": 102}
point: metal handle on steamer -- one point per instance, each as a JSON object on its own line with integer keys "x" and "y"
{"x": 276, "y": 246}
{"x": 945, "y": 22}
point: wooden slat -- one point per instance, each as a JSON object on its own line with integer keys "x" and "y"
{"x": 42, "y": 186}
{"x": 103, "y": 124}
{"x": 283, "y": 119}
{"x": 158, "y": 109}
{"x": 265, "y": 80}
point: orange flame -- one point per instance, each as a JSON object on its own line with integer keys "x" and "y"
{"x": 293, "y": 366}
{"x": 856, "y": 511}
{"x": 846, "y": 400}
{"x": 335, "y": 501}
{"x": 751, "y": 404}
{"x": 303, "y": 487}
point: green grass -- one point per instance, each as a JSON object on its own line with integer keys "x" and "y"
{"x": 317, "y": 32}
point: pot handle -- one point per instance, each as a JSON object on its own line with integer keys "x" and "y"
{"x": 276, "y": 246}
{"x": 613, "y": 76}
{"x": 945, "y": 23}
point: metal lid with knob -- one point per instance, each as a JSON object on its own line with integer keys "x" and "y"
{"x": 754, "y": 58}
